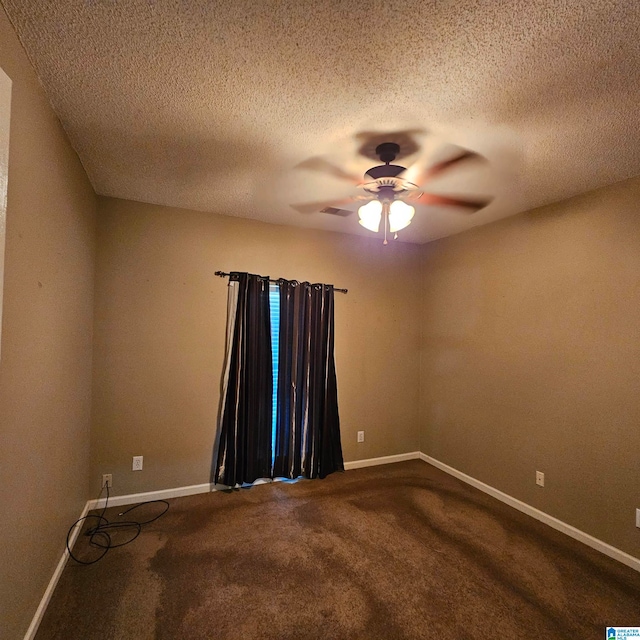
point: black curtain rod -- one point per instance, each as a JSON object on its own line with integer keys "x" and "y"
{"x": 222, "y": 274}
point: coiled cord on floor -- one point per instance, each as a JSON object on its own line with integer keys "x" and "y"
{"x": 99, "y": 536}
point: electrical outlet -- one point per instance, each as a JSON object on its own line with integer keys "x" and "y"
{"x": 638, "y": 518}
{"x": 540, "y": 478}
{"x": 137, "y": 463}
{"x": 360, "y": 436}
{"x": 107, "y": 480}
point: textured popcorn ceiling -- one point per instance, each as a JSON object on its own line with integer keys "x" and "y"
{"x": 211, "y": 105}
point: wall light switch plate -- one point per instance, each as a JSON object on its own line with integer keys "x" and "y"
{"x": 137, "y": 463}
{"x": 540, "y": 478}
{"x": 360, "y": 436}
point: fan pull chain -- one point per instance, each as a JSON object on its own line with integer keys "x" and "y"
{"x": 386, "y": 222}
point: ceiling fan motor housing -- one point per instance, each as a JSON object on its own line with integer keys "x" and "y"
{"x": 384, "y": 175}
{"x": 385, "y": 171}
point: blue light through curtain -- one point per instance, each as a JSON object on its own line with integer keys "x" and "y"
{"x": 274, "y": 307}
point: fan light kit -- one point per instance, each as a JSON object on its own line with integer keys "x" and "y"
{"x": 399, "y": 214}
{"x": 386, "y": 192}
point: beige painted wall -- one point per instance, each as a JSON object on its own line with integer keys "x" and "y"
{"x": 160, "y": 328}
{"x": 531, "y": 358}
{"x": 45, "y": 370}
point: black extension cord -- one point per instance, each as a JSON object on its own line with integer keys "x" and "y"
{"x": 99, "y": 534}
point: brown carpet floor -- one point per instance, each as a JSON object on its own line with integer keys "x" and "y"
{"x": 397, "y": 551}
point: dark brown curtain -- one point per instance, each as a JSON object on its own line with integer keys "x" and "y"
{"x": 308, "y": 426}
{"x": 244, "y": 450}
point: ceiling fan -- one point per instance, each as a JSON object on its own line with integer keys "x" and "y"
{"x": 387, "y": 194}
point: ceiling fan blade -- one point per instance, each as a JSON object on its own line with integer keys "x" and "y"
{"x": 434, "y": 199}
{"x": 324, "y": 166}
{"x": 436, "y": 169}
{"x": 316, "y": 207}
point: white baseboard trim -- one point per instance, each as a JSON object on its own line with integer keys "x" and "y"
{"x": 162, "y": 494}
{"x": 177, "y": 492}
{"x": 48, "y": 592}
{"x": 372, "y": 462}
{"x": 559, "y": 525}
